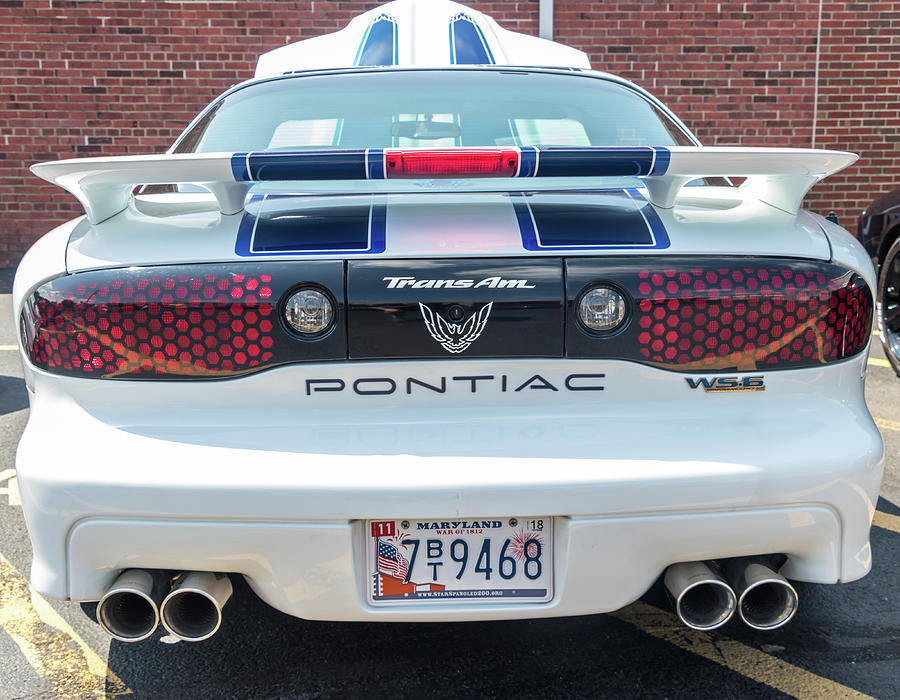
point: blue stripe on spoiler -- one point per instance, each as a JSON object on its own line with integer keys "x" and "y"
{"x": 375, "y": 163}
{"x": 528, "y": 161}
{"x": 239, "y": 167}
{"x": 661, "y": 164}
{"x": 368, "y": 164}
{"x": 587, "y": 162}
{"x": 301, "y": 165}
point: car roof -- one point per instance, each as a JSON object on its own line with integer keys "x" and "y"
{"x": 420, "y": 33}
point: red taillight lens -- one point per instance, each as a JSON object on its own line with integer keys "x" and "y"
{"x": 444, "y": 163}
{"x": 161, "y": 322}
{"x": 751, "y": 317}
{"x": 727, "y": 314}
{"x": 225, "y": 320}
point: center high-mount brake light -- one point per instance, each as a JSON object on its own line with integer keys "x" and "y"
{"x": 448, "y": 163}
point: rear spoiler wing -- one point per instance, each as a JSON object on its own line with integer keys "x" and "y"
{"x": 780, "y": 177}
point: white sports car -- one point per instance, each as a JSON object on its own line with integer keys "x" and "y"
{"x": 430, "y": 321}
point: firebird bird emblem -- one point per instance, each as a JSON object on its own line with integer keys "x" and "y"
{"x": 456, "y": 337}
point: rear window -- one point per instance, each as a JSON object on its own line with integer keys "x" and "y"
{"x": 440, "y": 108}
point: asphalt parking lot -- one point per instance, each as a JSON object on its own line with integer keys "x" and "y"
{"x": 844, "y": 642}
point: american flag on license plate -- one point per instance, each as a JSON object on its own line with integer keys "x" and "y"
{"x": 389, "y": 561}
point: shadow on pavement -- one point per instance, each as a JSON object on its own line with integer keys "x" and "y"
{"x": 13, "y": 395}
{"x": 262, "y": 653}
{"x": 886, "y": 506}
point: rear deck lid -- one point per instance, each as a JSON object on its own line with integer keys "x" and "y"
{"x": 614, "y": 221}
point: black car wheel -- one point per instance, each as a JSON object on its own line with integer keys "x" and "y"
{"x": 888, "y": 307}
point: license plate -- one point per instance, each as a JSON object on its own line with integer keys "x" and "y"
{"x": 471, "y": 560}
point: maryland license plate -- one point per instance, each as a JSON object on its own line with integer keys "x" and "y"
{"x": 474, "y": 560}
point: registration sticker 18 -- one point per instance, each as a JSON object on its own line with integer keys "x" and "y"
{"x": 471, "y": 560}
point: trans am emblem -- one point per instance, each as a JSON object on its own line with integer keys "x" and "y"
{"x": 456, "y": 337}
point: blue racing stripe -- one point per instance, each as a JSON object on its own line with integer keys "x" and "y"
{"x": 375, "y": 163}
{"x": 663, "y": 157}
{"x": 604, "y": 220}
{"x": 660, "y": 235}
{"x": 239, "y": 167}
{"x": 379, "y": 43}
{"x": 526, "y": 223}
{"x": 378, "y": 225}
{"x": 245, "y": 228}
{"x": 595, "y": 162}
{"x": 313, "y": 227}
{"x": 363, "y": 164}
{"x": 468, "y": 44}
{"x": 301, "y": 165}
{"x": 528, "y": 161}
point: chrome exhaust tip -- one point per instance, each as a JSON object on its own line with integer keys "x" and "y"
{"x": 703, "y": 600}
{"x": 193, "y": 609}
{"x": 129, "y": 610}
{"x": 766, "y": 600}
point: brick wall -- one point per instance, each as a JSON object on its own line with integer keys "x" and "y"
{"x": 87, "y": 78}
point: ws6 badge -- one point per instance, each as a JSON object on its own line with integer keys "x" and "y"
{"x": 456, "y": 337}
{"x": 716, "y": 385}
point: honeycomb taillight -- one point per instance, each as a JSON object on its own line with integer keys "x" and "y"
{"x": 751, "y": 317}
{"x": 226, "y": 320}
{"x": 727, "y": 314}
{"x": 168, "y": 322}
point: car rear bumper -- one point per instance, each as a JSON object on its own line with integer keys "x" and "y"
{"x": 313, "y": 569}
{"x": 282, "y": 498}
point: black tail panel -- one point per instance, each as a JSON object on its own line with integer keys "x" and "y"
{"x": 491, "y": 307}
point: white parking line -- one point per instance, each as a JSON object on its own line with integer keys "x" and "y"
{"x": 886, "y": 521}
{"x": 746, "y": 660}
{"x": 53, "y": 649}
{"x": 887, "y": 424}
{"x": 12, "y": 487}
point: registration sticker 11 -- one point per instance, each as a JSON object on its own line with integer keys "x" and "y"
{"x": 467, "y": 560}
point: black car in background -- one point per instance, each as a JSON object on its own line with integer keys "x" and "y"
{"x": 879, "y": 232}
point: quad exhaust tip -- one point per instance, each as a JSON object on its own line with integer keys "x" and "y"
{"x": 193, "y": 609}
{"x": 129, "y": 610}
{"x": 766, "y": 600}
{"x": 703, "y": 599}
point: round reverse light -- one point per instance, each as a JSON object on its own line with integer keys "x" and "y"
{"x": 308, "y": 311}
{"x": 601, "y": 309}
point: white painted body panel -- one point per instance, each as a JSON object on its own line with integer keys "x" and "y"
{"x": 260, "y": 479}
{"x": 308, "y": 569}
{"x": 250, "y": 455}
{"x": 45, "y": 259}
